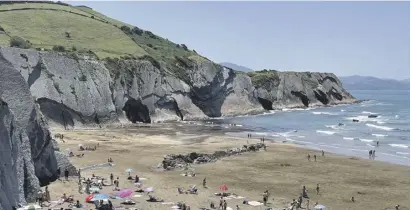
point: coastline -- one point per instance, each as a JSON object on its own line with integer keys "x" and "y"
{"x": 283, "y": 169}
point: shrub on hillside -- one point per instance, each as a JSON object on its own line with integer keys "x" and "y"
{"x": 150, "y": 45}
{"x": 138, "y": 31}
{"x": 126, "y": 29}
{"x": 2, "y": 29}
{"x": 16, "y": 41}
{"x": 150, "y": 34}
{"x": 184, "y": 46}
{"x": 73, "y": 48}
{"x": 59, "y": 48}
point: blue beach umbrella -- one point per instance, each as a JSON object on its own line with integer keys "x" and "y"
{"x": 100, "y": 197}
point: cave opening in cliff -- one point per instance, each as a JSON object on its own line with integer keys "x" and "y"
{"x": 267, "y": 104}
{"x": 304, "y": 99}
{"x": 56, "y": 112}
{"x": 136, "y": 111}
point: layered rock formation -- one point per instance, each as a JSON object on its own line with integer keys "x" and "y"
{"x": 27, "y": 158}
{"x": 74, "y": 91}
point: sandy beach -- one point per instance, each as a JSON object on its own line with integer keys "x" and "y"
{"x": 282, "y": 170}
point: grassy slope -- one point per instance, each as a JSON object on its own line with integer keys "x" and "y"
{"x": 264, "y": 78}
{"x": 45, "y": 25}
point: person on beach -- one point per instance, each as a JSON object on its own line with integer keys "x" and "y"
{"x": 225, "y": 205}
{"x": 304, "y": 192}
{"x": 265, "y": 197}
{"x": 58, "y": 173}
{"x": 315, "y": 158}
{"x": 204, "y": 182}
{"x": 40, "y": 197}
{"x": 373, "y": 154}
{"x": 322, "y": 153}
{"x": 221, "y": 203}
{"x": 352, "y": 199}
{"x": 137, "y": 179}
{"x": 318, "y": 189}
{"x": 307, "y": 205}
{"x": 111, "y": 178}
{"x": 47, "y": 194}
{"x": 80, "y": 188}
{"x": 309, "y": 157}
{"x": 237, "y": 207}
{"x": 369, "y": 154}
{"x": 66, "y": 174}
{"x": 378, "y": 143}
{"x": 397, "y": 207}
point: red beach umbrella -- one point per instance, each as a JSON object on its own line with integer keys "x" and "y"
{"x": 88, "y": 198}
{"x": 223, "y": 188}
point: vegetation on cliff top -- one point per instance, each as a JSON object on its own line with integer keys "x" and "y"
{"x": 265, "y": 79}
{"x": 51, "y": 26}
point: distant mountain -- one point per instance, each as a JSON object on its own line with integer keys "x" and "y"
{"x": 236, "y": 67}
{"x": 372, "y": 83}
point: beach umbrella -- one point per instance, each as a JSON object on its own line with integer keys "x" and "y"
{"x": 88, "y": 198}
{"x": 99, "y": 197}
{"x": 149, "y": 189}
{"x": 124, "y": 193}
{"x": 223, "y": 188}
{"x": 319, "y": 207}
{"x": 129, "y": 170}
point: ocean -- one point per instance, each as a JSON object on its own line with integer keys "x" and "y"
{"x": 318, "y": 128}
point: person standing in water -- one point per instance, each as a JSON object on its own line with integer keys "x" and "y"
{"x": 378, "y": 143}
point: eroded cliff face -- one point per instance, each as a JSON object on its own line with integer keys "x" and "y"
{"x": 74, "y": 92}
{"x": 27, "y": 158}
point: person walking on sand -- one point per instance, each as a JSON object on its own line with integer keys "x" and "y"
{"x": 204, "y": 182}
{"x": 369, "y": 154}
{"x": 221, "y": 203}
{"x": 318, "y": 189}
{"x": 80, "y": 188}
{"x": 309, "y": 157}
{"x": 373, "y": 154}
{"x": 225, "y": 205}
{"x": 66, "y": 174}
{"x": 111, "y": 178}
{"x": 315, "y": 158}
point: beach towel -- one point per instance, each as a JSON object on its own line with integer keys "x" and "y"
{"x": 254, "y": 203}
{"x": 168, "y": 203}
{"x": 137, "y": 196}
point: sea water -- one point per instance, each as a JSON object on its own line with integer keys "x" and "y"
{"x": 318, "y": 128}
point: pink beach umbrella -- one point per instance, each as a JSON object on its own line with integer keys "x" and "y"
{"x": 125, "y": 193}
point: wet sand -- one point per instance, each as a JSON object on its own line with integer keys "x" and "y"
{"x": 282, "y": 170}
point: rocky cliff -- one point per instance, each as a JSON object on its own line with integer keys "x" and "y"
{"x": 27, "y": 158}
{"x": 74, "y": 91}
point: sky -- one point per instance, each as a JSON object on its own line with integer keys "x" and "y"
{"x": 346, "y": 38}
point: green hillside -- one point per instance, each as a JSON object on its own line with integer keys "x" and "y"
{"x": 81, "y": 29}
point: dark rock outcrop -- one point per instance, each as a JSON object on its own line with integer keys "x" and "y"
{"x": 173, "y": 161}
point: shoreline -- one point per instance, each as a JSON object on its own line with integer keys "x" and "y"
{"x": 283, "y": 169}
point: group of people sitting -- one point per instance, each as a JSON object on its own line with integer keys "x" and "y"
{"x": 191, "y": 190}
